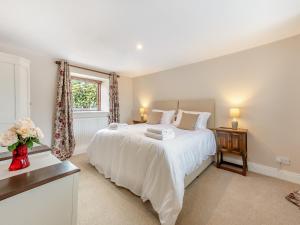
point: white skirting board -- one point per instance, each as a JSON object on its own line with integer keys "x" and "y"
{"x": 268, "y": 171}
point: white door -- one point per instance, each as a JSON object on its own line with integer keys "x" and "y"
{"x": 7, "y": 95}
{"x": 14, "y": 90}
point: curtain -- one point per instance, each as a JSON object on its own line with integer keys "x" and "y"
{"x": 64, "y": 142}
{"x": 114, "y": 112}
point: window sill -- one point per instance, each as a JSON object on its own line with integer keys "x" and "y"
{"x": 90, "y": 114}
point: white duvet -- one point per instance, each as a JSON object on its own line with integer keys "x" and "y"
{"x": 152, "y": 169}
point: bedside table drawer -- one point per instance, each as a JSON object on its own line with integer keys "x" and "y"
{"x": 239, "y": 142}
{"x": 236, "y": 142}
{"x": 232, "y": 142}
{"x": 224, "y": 140}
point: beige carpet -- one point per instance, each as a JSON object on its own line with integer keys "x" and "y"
{"x": 216, "y": 197}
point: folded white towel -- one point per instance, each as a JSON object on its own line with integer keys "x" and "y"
{"x": 115, "y": 126}
{"x": 160, "y": 131}
{"x": 159, "y": 136}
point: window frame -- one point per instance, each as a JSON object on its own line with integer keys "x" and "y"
{"x": 98, "y": 82}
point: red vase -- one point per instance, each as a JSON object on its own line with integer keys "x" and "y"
{"x": 20, "y": 158}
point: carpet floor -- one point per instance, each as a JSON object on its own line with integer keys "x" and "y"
{"x": 216, "y": 197}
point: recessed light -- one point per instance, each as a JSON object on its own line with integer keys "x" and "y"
{"x": 139, "y": 46}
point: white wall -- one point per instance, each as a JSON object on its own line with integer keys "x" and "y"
{"x": 43, "y": 88}
{"x": 126, "y": 99}
{"x": 263, "y": 81}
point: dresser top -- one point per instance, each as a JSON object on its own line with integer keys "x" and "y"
{"x": 15, "y": 185}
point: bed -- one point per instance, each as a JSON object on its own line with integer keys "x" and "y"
{"x": 156, "y": 170}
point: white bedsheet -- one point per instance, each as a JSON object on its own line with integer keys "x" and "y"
{"x": 150, "y": 168}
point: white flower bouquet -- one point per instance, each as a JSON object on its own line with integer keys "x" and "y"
{"x": 23, "y": 132}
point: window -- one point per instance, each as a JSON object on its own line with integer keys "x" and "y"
{"x": 86, "y": 94}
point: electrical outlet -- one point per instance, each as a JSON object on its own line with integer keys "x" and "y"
{"x": 283, "y": 160}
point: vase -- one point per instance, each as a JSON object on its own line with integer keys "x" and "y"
{"x": 19, "y": 158}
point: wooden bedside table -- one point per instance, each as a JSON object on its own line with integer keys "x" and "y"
{"x": 138, "y": 121}
{"x": 232, "y": 142}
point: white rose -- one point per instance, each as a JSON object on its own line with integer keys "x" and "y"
{"x": 32, "y": 133}
{"x": 39, "y": 133}
{"x": 25, "y": 128}
{"x": 8, "y": 138}
{"x": 24, "y": 132}
{"x": 24, "y": 123}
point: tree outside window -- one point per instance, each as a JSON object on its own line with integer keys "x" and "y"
{"x": 86, "y": 94}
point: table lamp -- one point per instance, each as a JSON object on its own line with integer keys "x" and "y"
{"x": 142, "y": 113}
{"x": 234, "y": 114}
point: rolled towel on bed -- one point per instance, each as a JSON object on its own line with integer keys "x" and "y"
{"x": 160, "y": 131}
{"x": 159, "y": 136}
{"x": 115, "y": 126}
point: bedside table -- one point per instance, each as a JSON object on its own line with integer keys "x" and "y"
{"x": 232, "y": 142}
{"x": 138, "y": 121}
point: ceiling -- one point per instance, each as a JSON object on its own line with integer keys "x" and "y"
{"x": 104, "y": 33}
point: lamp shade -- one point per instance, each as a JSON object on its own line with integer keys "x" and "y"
{"x": 234, "y": 112}
{"x": 142, "y": 110}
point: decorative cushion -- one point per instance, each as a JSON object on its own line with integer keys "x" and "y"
{"x": 154, "y": 117}
{"x": 188, "y": 121}
{"x": 202, "y": 119}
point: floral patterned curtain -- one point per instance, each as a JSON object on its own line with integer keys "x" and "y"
{"x": 114, "y": 115}
{"x": 64, "y": 142}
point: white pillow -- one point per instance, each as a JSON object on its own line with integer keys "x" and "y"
{"x": 201, "y": 121}
{"x": 167, "y": 115}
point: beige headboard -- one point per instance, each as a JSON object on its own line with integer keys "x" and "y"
{"x": 164, "y": 105}
{"x": 201, "y": 105}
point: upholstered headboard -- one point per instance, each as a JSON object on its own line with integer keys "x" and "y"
{"x": 165, "y": 105}
{"x": 201, "y": 105}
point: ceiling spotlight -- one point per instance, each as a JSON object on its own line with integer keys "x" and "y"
{"x": 139, "y": 46}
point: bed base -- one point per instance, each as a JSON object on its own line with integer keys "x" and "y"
{"x": 191, "y": 177}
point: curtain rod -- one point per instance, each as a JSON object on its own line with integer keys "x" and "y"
{"x": 84, "y": 68}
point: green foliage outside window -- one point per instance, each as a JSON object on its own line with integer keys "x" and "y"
{"x": 84, "y": 95}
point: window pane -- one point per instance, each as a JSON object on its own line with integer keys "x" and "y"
{"x": 85, "y": 95}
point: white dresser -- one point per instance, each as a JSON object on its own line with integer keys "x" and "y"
{"x": 43, "y": 194}
{"x": 46, "y": 192}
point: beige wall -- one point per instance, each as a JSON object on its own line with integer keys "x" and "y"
{"x": 126, "y": 99}
{"x": 43, "y": 89}
{"x": 263, "y": 81}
